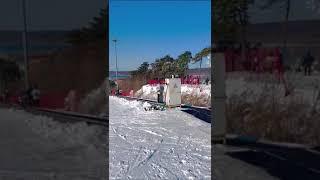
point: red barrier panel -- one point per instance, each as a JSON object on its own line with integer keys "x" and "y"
{"x": 54, "y": 100}
{"x": 13, "y": 99}
{"x": 162, "y": 81}
{"x": 153, "y": 82}
{"x": 124, "y": 93}
{"x": 256, "y": 60}
{"x": 192, "y": 79}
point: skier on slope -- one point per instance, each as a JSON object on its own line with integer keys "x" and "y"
{"x": 35, "y": 94}
{"x": 207, "y": 81}
{"x": 307, "y": 63}
{"x": 28, "y": 96}
{"x": 160, "y": 94}
{"x": 280, "y": 70}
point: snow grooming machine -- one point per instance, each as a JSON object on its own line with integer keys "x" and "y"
{"x": 173, "y": 92}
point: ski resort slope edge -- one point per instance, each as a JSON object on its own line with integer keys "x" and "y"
{"x": 167, "y": 144}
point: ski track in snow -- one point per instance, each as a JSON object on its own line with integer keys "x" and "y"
{"x": 167, "y": 144}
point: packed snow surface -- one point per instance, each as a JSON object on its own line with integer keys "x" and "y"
{"x": 150, "y": 91}
{"x": 201, "y": 92}
{"x": 167, "y": 144}
{"x": 36, "y": 147}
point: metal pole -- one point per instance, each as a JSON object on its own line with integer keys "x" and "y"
{"x": 285, "y": 35}
{"x": 25, "y": 45}
{"x": 200, "y": 69}
{"x": 115, "y": 46}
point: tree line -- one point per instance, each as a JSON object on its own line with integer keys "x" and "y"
{"x": 166, "y": 66}
{"x": 95, "y": 31}
{"x": 9, "y": 72}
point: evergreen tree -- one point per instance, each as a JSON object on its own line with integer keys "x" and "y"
{"x": 9, "y": 72}
{"x": 94, "y": 32}
{"x": 182, "y": 63}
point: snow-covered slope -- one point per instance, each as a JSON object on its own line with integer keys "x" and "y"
{"x": 36, "y": 147}
{"x": 157, "y": 144}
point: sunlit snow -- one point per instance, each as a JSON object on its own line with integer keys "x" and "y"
{"x": 167, "y": 144}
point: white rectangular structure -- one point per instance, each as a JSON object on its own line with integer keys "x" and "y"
{"x": 173, "y": 92}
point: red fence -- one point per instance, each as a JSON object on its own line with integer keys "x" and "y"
{"x": 258, "y": 60}
{"x": 195, "y": 80}
{"x": 155, "y": 81}
{"x": 52, "y": 100}
{"x": 192, "y": 79}
{"x": 122, "y": 93}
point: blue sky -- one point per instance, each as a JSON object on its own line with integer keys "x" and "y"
{"x": 147, "y": 30}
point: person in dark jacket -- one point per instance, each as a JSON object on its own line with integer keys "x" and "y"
{"x": 307, "y": 63}
{"x": 35, "y": 94}
{"x": 6, "y": 96}
{"x": 28, "y": 96}
{"x": 160, "y": 94}
{"x": 207, "y": 81}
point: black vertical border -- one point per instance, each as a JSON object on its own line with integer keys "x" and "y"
{"x": 107, "y": 93}
{"x": 212, "y": 80}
